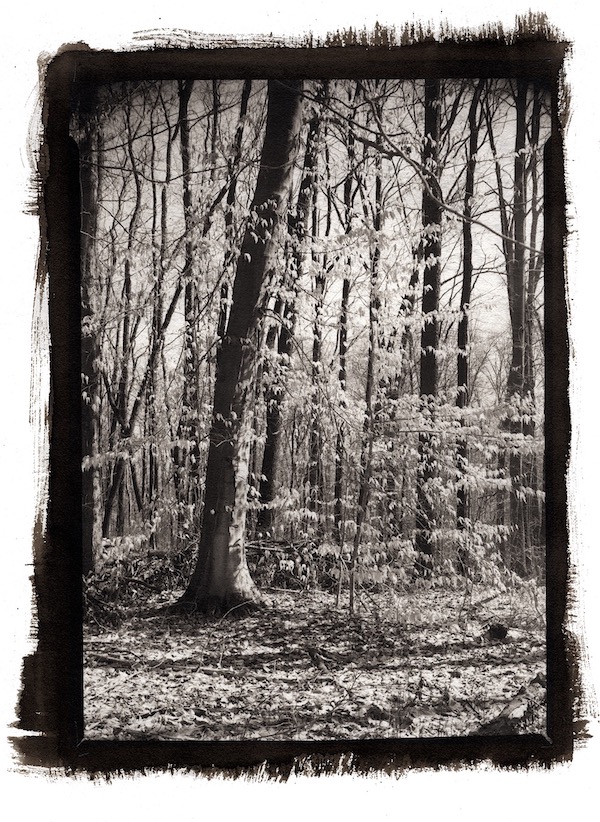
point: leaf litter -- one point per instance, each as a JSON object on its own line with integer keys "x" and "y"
{"x": 417, "y": 665}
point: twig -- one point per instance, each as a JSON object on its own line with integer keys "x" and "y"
{"x": 118, "y": 661}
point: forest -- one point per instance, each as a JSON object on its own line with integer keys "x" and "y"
{"x": 313, "y": 407}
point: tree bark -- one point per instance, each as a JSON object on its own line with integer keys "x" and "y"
{"x": 221, "y": 580}
{"x": 534, "y": 512}
{"x": 298, "y": 230}
{"x": 117, "y": 485}
{"x": 462, "y": 364}
{"x": 187, "y": 451}
{"x": 515, "y": 391}
{"x": 340, "y": 443}
{"x": 271, "y": 462}
{"x": 368, "y": 434}
{"x": 233, "y": 167}
{"x": 432, "y": 247}
{"x": 316, "y": 441}
{"x": 159, "y": 234}
{"x": 90, "y": 171}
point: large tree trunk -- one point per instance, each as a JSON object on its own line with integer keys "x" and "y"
{"x": 432, "y": 245}
{"x": 221, "y": 579}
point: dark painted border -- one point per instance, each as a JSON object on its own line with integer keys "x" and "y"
{"x": 51, "y": 700}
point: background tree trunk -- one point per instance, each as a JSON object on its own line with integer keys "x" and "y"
{"x": 515, "y": 390}
{"x": 462, "y": 364}
{"x": 187, "y": 452}
{"x": 90, "y": 171}
{"x": 298, "y": 230}
{"x": 271, "y": 462}
{"x": 366, "y": 454}
{"x": 432, "y": 249}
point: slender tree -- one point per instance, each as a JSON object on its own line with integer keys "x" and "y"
{"x": 187, "y": 451}
{"x": 120, "y": 403}
{"x": 233, "y": 165}
{"x": 462, "y": 365}
{"x": 368, "y": 434}
{"x": 316, "y": 490}
{"x": 159, "y": 235}
{"x": 91, "y": 185}
{"x": 523, "y": 271}
{"x": 533, "y": 514}
{"x": 279, "y": 340}
{"x": 428, "y": 382}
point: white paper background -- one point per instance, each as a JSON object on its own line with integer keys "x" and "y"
{"x": 30, "y": 28}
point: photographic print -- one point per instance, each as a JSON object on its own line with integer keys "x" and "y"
{"x": 320, "y": 323}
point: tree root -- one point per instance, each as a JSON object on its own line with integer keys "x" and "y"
{"x": 212, "y": 606}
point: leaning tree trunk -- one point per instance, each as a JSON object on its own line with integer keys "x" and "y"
{"x": 221, "y": 579}
{"x": 431, "y": 245}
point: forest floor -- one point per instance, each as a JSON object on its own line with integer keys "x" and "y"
{"x": 424, "y": 664}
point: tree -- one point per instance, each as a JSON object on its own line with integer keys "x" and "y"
{"x": 462, "y": 364}
{"x": 366, "y": 453}
{"x": 119, "y": 402}
{"x": 221, "y": 579}
{"x": 432, "y": 249}
{"x": 361, "y": 308}
{"x": 280, "y": 333}
{"x": 282, "y": 330}
{"x": 187, "y": 452}
{"x": 91, "y": 184}
{"x": 519, "y": 215}
{"x": 350, "y": 190}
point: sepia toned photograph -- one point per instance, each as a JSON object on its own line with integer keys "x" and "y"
{"x": 313, "y": 407}
{"x": 307, "y": 418}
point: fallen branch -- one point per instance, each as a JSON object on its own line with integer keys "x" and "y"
{"x": 115, "y": 661}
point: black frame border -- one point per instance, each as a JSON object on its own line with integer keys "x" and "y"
{"x": 52, "y": 695}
